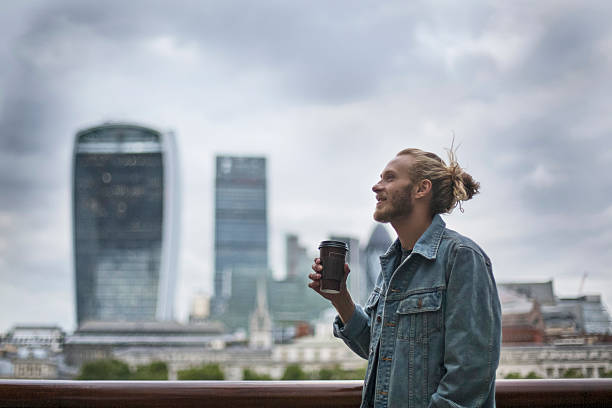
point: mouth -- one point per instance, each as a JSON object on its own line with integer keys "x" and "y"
{"x": 380, "y": 200}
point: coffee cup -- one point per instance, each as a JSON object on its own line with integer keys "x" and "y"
{"x": 332, "y": 255}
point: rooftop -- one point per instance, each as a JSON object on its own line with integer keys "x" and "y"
{"x": 150, "y": 328}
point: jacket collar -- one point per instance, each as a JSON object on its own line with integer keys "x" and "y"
{"x": 427, "y": 245}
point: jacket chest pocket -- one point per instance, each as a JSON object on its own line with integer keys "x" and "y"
{"x": 419, "y": 315}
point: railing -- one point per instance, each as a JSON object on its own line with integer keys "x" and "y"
{"x": 294, "y": 394}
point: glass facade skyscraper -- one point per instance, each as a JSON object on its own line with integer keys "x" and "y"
{"x": 125, "y": 221}
{"x": 353, "y": 258}
{"x": 241, "y": 223}
{"x": 379, "y": 242}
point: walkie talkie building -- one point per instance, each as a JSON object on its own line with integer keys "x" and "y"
{"x": 125, "y": 221}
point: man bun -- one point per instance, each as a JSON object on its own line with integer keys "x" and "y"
{"x": 451, "y": 185}
{"x": 464, "y": 187}
{"x": 470, "y": 185}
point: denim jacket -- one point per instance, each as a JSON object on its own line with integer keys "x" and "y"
{"x": 431, "y": 327}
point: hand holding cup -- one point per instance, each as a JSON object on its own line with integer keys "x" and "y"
{"x": 316, "y": 280}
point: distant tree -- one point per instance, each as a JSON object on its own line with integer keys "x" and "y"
{"x": 513, "y": 376}
{"x": 605, "y": 374}
{"x": 327, "y": 374}
{"x": 105, "y": 369}
{"x": 337, "y": 373}
{"x": 294, "y": 372}
{"x": 157, "y": 370}
{"x": 250, "y": 375}
{"x": 532, "y": 376}
{"x": 572, "y": 373}
{"x": 203, "y": 372}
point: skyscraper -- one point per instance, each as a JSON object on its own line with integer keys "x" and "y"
{"x": 241, "y": 223}
{"x": 294, "y": 255}
{"x": 379, "y": 242}
{"x": 353, "y": 258}
{"x": 125, "y": 221}
{"x": 290, "y": 300}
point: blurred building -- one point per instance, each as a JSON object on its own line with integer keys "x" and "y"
{"x": 125, "y": 220}
{"x": 320, "y": 350}
{"x": 33, "y": 352}
{"x": 36, "y": 337}
{"x": 179, "y": 346}
{"x": 200, "y": 308}
{"x": 260, "y": 323}
{"x": 295, "y": 254}
{"x": 579, "y": 320}
{"x": 293, "y": 305}
{"x": 7, "y": 369}
{"x": 592, "y": 316}
{"x": 553, "y": 361}
{"x": 542, "y": 292}
{"x": 521, "y": 318}
{"x": 243, "y": 282}
{"x": 140, "y": 343}
{"x": 548, "y": 337}
{"x": 35, "y": 364}
{"x": 355, "y": 282}
{"x": 379, "y": 242}
{"x": 241, "y": 225}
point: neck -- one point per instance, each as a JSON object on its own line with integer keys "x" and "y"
{"x": 410, "y": 228}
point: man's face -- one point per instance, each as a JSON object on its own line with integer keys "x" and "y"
{"x": 394, "y": 191}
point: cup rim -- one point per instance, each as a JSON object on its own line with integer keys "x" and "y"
{"x": 333, "y": 244}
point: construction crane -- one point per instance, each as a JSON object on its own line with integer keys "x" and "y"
{"x": 584, "y": 276}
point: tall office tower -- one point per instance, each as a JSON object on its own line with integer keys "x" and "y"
{"x": 295, "y": 254}
{"x": 353, "y": 258}
{"x": 379, "y": 242}
{"x": 241, "y": 223}
{"x": 125, "y": 221}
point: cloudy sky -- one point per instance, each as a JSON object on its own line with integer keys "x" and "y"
{"x": 319, "y": 88}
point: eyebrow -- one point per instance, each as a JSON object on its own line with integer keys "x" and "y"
{"x": 386, "y": 172}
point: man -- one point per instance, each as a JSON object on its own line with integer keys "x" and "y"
{"x": 431, "y": 328}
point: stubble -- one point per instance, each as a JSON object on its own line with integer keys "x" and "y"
{"x": 396, "y": 205}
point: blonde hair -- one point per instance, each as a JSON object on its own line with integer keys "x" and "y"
{"x": 450, "y": 185}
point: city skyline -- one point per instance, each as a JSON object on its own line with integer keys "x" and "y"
{"x": 328, "y": 95}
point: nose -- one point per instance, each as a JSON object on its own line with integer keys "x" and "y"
{"x": 376, "y": 187}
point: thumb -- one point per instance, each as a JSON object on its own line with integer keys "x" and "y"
{"x": 347, "y": 270}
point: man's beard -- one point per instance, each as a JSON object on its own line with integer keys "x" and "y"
{"x": 395, "y": 206}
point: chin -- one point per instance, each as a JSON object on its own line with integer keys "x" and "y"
{"x": 380, "y": 217}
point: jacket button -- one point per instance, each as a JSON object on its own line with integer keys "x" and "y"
{"x": 378, "y": 319}
{"x": 420, "y": 303}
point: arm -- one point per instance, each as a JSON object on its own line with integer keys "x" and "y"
{"x": 356, "y": 332}
{"x": 472, "y": 333}
{"x": 352, "y": 324}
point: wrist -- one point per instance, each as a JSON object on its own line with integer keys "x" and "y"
{"x": 344, "y": 306}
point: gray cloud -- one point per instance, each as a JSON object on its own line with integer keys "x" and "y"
{"x": 317, "y": 88}
{"x": 316, "y": 55}
{"x": 568, "y": 46}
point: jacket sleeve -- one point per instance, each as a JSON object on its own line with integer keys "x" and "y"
{"x": 356, "y": 332}
{"x": 472, "y": 333}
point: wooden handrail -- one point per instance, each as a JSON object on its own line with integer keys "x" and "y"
{"x": 554, "y": 393}
{"x": 295, "y": 394}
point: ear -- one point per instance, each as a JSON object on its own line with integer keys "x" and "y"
{"x": 423, "y": 188}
